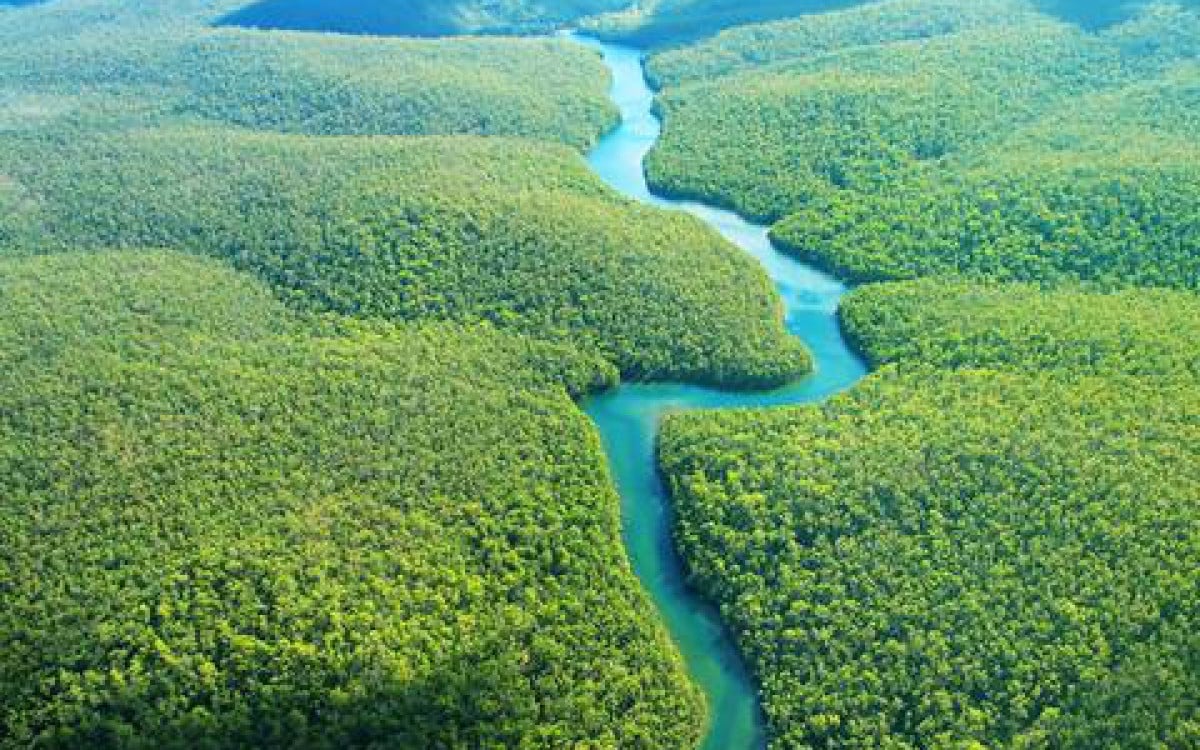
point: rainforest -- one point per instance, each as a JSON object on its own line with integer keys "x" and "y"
{"x": 660, "y": 375}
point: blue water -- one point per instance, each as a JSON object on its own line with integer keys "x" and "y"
{"x": 628, "y": 417}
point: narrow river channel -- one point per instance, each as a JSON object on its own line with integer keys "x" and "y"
{"x": 628, "y": 417}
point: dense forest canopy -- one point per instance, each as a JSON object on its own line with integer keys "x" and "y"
{"x": 228, "y": 526}
{"x": 330, "y": 87}
{"x": 100, "y": 60}
{"x": 916, "y": 137}
{"x": 674, "y": 23}
{"x": 992, "y": 541}
{"x": 655, "y": 23}
{"x": 417, "y": 17}
{"x": 136, "y": 128}
{"x": 417, "y": 229}
{"x": 293, "y": 327}
{"x": 989, "y": 543}
{"x": 285, "y": 482}
{"x": 957, "y": 559}
{"x": 952, "y": 323}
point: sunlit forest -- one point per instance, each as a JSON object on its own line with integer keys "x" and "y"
{"x": 912, "y": 138}
{"x": 305, "y": 306}
{"x": 225, "y": 525}
{"x": 957, "y": 557}
{"x": 992, "y": 542}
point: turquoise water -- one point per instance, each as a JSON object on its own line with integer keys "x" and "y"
{"x": 628, "y": 417}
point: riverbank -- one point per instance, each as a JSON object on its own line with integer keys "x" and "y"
{"x": 628, "y": 417}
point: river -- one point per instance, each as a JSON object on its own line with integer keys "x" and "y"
{"x": 628, "y": 417}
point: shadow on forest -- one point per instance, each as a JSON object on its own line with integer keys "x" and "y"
{"x": 398, "y": 17}
{"x": 1095, "y": 14}
{"x": 470, "y": 700}
{"x": 433, "y": 18}
{"x": 419, "y": 18}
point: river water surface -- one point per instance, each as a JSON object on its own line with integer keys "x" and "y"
{"x": 628, "y": 417}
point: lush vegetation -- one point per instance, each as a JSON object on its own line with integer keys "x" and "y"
{"x": 748, "y": 47}
{"x": 952, "y": 324}
{"x": 117, "y": 135}
{"x": 1111, "y": 200}
{"x": 417, "y": 17}
{"x": 992, "y": 541}
{"x": 917, "y": 137}
{"x": 226, "y": 526}
{"x": 312, "y": 475}
{"x": 665, "y": 23}
{"x": 673, "y": 23}
{"x": 159, "y": 60}
{"x": 408, "y": 229}
{"x": 963, "y": 558}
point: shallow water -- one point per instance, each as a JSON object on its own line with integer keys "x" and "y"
{"x": 628, "y": 417}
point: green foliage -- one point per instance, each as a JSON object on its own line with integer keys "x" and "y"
{"x": 908, "y": 138}
{"x": 953, "y": 324}
{"x": 670, "y": 23}
{"x": 860, "y": 118}
{"x": 957, "y": 559}
{"x": 663, "y": 23}
{"x": 346, "y": 500}
{"x": 165, "y": 58}
{"x": 331, "y": 504}
{"x": 1105, "y": 193}
{"x": 130, "y": 305}
{"x": 231, "y": 521}
{"x": 749, "y": 47}
{"x": 109, "y": 140}
{"x": 223, "y": 528}
{"x": 546, "y": 89}
{"x": 513, "y": 232}
{"x": 417, "y": 17}
{"x": 989, "y": 543}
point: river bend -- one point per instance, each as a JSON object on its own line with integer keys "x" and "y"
{"x": 628, "y": 417}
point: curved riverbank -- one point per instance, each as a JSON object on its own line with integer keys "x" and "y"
{"x": 628, "y": 417}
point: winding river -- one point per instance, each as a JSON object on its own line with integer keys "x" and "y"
{"x": 628, "y": 417}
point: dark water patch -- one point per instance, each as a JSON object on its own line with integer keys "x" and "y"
{"x": 408, "y": 18}
{"x": 1095, "y": 15}
{"x": 420, "y": 18}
